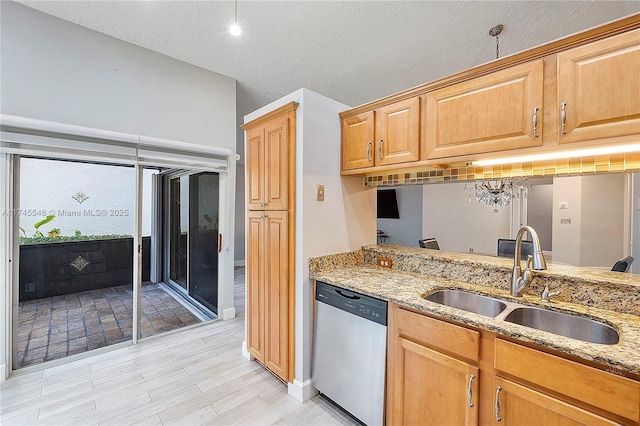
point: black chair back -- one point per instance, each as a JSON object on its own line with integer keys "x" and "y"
{"x": 429, "y": 243}
{"x": 623, "y": 265}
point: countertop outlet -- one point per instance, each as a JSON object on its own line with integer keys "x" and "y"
{"x": 385, "y": 262}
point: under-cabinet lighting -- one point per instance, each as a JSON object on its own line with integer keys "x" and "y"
{"x": 587, "y": 152}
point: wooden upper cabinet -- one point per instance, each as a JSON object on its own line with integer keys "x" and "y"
{"x": 599, "y": 83}
{"x": 491, "y": 113}
{"x": 387, "y": 135}
{"x": 276, "y": 154}
{"x": 269, "y": 145}
{"x": 357, "y": 141}
{"x": 398, "y": 132}
{"x": 255, "y": 168}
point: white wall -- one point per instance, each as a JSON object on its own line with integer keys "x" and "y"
{"x": 240, "y": 216}
{"x": 567, "y": 236}
{"x": 539, "y": 216}
{"x": 53, "y": 70}
{"x": 407, "y": 230}
{"x": 595, "y": 236}
{"x": 57, "y": 71}
{"x": 635, "y": 226}
{"x": 344, "y": 221}
{"x": 459, "y": 224}
{"x": 602, "y": 241}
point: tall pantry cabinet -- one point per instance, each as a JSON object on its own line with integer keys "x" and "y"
{"x": 298, "y": 207}
{"x": 270, "y": 239}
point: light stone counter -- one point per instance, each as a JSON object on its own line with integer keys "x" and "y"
{"x": 613, "y": 298}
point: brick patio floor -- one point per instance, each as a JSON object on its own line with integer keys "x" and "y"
{"x": 60, "y": 326}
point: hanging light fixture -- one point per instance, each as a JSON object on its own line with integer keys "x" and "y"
{"x": 235, "y": 29}
{"x": 495, "y": 32}
{"x": 495, "y": 192}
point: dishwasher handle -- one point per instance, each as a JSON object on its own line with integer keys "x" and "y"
{"x": 348, "y": 296}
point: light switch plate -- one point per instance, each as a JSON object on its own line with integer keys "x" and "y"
{"x": 565, "y": 221}
{"x": 319, "y": 192}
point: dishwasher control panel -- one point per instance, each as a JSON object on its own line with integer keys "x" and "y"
{"x": 366, "y": 307}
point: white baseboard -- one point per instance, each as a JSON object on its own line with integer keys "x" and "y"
{"x": 245, "y": 352}
{"x": 228, "y": 314}
{"x": 238, "y": 263}
{"x": 302, "y": 391}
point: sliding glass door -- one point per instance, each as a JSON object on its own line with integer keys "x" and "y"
{"x": 76, "y": 282}
{"x": 191, "y": 246}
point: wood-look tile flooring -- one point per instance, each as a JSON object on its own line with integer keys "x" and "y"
{"x": 56, "y": 327}
{"x": 190, "y": 377}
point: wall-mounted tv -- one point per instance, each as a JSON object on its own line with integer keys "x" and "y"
{"x": 387, "y": 204}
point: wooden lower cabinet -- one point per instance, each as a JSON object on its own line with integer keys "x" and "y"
{"x": 427, "y": 386}
{"x": 441, "y": 373}
{"x": 431, "y": 388}
{"x": 519, "y": 405}
{"x": 268, "y": 290}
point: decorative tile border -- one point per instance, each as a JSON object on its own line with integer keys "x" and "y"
{"x": 614, "y": 163}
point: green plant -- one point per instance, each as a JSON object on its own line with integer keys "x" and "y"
{"x": 44, "y": 221}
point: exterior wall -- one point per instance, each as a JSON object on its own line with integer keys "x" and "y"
{"x": 343, "y": 222}
{"x": 57, "y": 71}
{"x": 108, "y": 188}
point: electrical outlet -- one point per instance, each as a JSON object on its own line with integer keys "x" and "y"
{"x": 385, "y": 262}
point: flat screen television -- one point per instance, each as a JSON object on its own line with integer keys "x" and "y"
{"x": 387, "y": 204}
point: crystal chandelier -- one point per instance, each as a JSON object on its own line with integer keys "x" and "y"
{"x": 495, "y": 192}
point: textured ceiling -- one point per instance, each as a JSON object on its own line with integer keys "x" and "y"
{"x": 351, "y": 51}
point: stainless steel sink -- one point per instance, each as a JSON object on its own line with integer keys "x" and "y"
{"x": 476, "y": 303}
{"x": 575, "y": 327}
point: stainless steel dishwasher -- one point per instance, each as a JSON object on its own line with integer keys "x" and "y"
{"x": 349, "y": 355}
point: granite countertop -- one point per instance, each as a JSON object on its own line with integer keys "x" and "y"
{"x": 352, "y": 271}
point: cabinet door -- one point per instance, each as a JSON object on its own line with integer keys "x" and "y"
{"x": 255, "y": 283}
{"x": 430, "y": 388}
{"x": 490, "y": 113}
{"x": 398, "y": 132}
{"x": 357, "y": 141}
{"x": 600, "y": 84}
{"x": 276, "y": 293}
{"x": 519, "y": 405}
{"x": 255, "y": 168}
{"x": 276, "y": 158}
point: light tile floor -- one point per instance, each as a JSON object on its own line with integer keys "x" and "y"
{"x": 191, "y": 377}
{"x": 56, "y": 327}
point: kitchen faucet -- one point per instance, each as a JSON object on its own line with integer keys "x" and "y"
{"x": 519, "y": 281}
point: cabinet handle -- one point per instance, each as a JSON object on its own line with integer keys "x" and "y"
{"x": 535, "y": 122}
{"x": 262, "y": 204}
{"x": 262, "y": 216}
{"x": 497, "y": 405}
{"x": 380, "y": 148}
{"x": 470, "y": 390}
{"x": 369, "y": 151}
{"x": 563, "y": 117}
